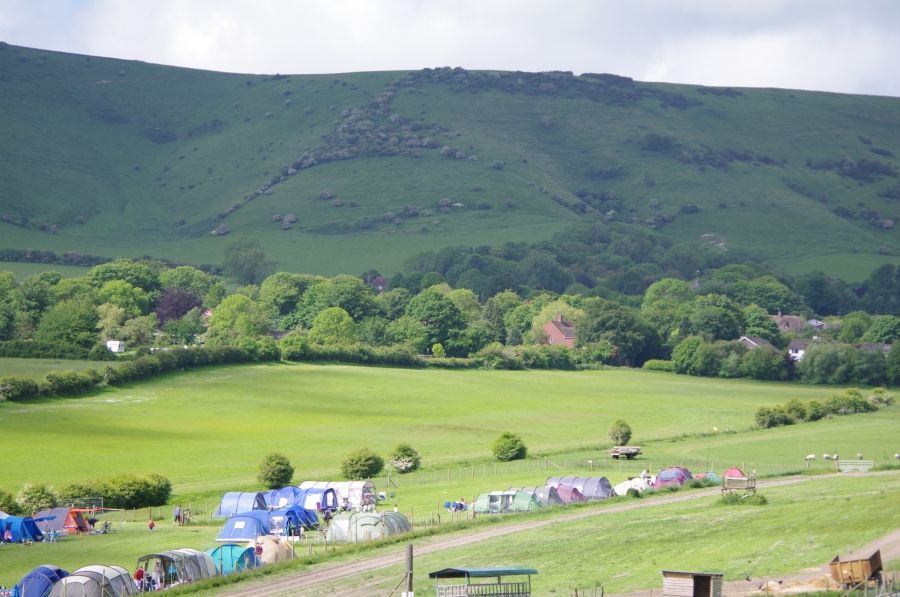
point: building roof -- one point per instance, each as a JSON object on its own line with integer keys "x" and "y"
{"x": 487, "y": 571}
{"x": 566, "y": 328}
{"x": 756, "y": 341}
{"x": 791, "y": 322}
{"x": 692, "y": 573}
{"x": 800, "y": 343}
{"x": 873, "y": 346}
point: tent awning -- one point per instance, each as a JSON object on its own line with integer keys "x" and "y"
{"x": 484, "y": 572}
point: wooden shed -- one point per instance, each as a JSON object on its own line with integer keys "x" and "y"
{"x": 691, "y": 584}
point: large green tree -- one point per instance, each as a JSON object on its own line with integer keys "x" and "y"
{"x": 437, "y": 313}
{"x": 635, "y": 339}
{"x": 333, "y": 326}
{"x": 235, "y": 318}
{"x": 122, "y": 294}
{"x": 347, "y": 292}
{"x": 69, "y": 322}
{"x": 245, "y": 260}
{"x": 137, "y": 274}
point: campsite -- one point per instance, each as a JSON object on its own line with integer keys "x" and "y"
{"x": 565, "y": 458}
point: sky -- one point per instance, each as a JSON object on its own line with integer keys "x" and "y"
{"x": 825, "y": 45}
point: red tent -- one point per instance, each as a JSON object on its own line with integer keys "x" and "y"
{"x": 735, "y": 473}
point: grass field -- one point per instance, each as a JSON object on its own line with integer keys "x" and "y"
{"x": 37, "y": 368}
{"x": 81, "y": 139}
{"x": 213, "y": 426}
{"x": 22, "y": 270}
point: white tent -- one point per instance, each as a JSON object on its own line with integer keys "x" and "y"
{"x": 641, "y": 485}
{"x": 274, "y": 550}
{"x": 358, "y": 493}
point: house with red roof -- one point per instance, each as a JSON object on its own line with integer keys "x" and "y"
{"x": 560, "y": 332}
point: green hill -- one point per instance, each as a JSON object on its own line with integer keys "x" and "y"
{"x": 806, "y": 179}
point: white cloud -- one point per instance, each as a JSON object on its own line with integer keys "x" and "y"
{"x": 810, "y": 44}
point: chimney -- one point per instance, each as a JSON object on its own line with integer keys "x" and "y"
{"x": 779, "y": 311}
{"x": 559, "y": 318}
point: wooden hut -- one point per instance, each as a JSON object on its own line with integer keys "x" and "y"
{"x": 691, "y": 584}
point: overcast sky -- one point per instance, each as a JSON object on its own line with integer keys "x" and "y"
{"x": 850, "y": 46}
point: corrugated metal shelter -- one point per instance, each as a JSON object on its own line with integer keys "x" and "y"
{"x": 492, "y": 588}
{"x": 691, "y": 584}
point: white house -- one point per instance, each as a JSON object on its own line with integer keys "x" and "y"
{"x": 797, "y": 348}
{"x": 116, "y": 346}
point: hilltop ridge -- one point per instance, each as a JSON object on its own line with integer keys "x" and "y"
{"x": 115, "y": 157}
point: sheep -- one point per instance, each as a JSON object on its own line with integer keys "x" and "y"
{"x": 835, "y": 457}
{"x": 859, "y": 456}
{"x": 811, "y": 457}
{"x": 826, "y": 456}
{"x": 897, "y": 456}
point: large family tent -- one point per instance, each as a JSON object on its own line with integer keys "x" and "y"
{"x": 40, "y": 581}
{"x": 675, "y": 475}
{"x": 244, "y": 527}
{"x": 235, "y": 502}
{"x": 547, "y": 496}
{"x": 569, "y": 494}
{"x": 179, "y": 566}
{"x": 502, "y": 502}
{"x": 231, "y": 557}
{"x": 320, "y": 498}
{"x": 355, "y": 527}
{"x": 61, "y": 519}
{"x": 286, "y": 496}
{"x": 95, "y": 581}
{"x": 273, "y": 550}
{"x": 358, "y": 493}
{"x": 22, "y": 529}
{"x": 593, "y": 488}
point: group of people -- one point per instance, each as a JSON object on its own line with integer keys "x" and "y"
{"x": 155, "y": 580}
{"x": 461, "y": 506}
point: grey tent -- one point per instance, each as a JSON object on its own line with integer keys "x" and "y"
{"x": 95, "y": 581}
{"x": 593, "y": 488}
{"x": 366, "y": 526}
{"x": 180, "y": 566}
{"x": 548, "y": 496}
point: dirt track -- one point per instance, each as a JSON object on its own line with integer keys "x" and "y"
{"x": 297, "y": 583}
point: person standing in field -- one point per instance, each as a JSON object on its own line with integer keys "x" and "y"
{"x": 157, "y": 574}
{"x": 151, "y": 525}
{"x": 177, "y": 516}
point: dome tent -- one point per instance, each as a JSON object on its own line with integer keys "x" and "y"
{"x": 22, "y": 529}
{"x": 675, "y": 475}
{"x": 60, "y": 519}
{"x": 95, "y": 581}
{"x": 40, "y": 581}
{"x": 232, "y": 557}
{"x": 366, "y": 526}
{"x": 710, "y": 476}
{"x": 593, "y": 488}
{"x": 735, "y": 473}
{"x": 274, "y": 550}
{"x": 235, "y": 502}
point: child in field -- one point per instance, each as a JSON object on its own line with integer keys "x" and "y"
{"x": 151, "y": 526}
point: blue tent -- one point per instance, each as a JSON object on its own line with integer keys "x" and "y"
{"x": 319, "y": 498}
{"x": 39, "y": 581}
{"x": 245, "y": 526}
{"x": 236, "y": 501}
{"x": 21, "y": 528}
{"x": 286, "y": 496}
{"x": 232, "y": 557}
{"x": 295, "y": 517}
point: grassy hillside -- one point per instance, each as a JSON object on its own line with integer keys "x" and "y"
{"x": 130, "y": 147}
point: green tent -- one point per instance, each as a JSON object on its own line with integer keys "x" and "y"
{"x": 505, "y": 502}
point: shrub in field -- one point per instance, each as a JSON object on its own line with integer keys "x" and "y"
{"x": 498, "y": 165}
{"x": 404, "y": 459}
{"x": 620, "y": 433}
{"x": 510, "y": 203}
{"x": 735, "y": 499}
{"x": 290, "y": 218}
{"x": 277, "y": 218}
{"x": 445, "y": 202}
{"x": 326, "y": 194}
{"x": 179, "y": 221}
{"x": 509, "y": 446}
{"x": 438, "y": 351}
{"x": 18, "y": 388}
{"x": 8, "y": 504}
{"x": 36, "y": 497}
{"x": 483, "y": 205}
{"x": 362, "y": 463}
{"x": 275, "y": 471}
{"x": 659, "y": 365}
